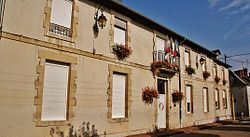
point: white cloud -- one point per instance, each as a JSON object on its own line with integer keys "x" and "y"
{"x": 237, "y": 11}
{"x": 213, "y": 2}
{"x": 228, "y": 34}
{"x": 234, "y": 4}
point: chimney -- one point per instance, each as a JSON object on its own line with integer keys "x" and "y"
{"x": 242, "y": 73}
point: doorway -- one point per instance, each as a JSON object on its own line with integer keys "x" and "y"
{"x": 162, "y": 106}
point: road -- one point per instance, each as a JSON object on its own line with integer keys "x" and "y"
{"x": 241, "y": 129}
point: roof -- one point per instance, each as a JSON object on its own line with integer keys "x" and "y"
{"x": 236, "y": 79}
{"x": 112, "y": 4}
{"x": 222, "y": 63}
{"x": 246, "y": 80}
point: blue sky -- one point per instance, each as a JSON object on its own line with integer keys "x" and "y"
{"x": 223, "y": 24}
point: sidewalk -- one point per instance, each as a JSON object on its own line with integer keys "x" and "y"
{"x": 184, "y": 130}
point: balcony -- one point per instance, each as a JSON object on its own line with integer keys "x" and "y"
{"x": 165, "y": 64}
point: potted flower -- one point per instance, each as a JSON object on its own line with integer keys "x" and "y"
{"x": 122, "y": 51}
{"x": 148, "y": 94}
{"x": 177, "y": 96}
{"x": 190, "y": 70}
{"x": 224, "y": 82}
{"x": 171, "y": 69}
{"x": 206, "y": 74}
{"x": 217, "y": 79}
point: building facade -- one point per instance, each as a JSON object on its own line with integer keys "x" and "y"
{"x": 62, "y": 74}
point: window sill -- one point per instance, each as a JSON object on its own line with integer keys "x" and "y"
{"x": 116, "y": 120}
{"x": 51, "y": 123}
{"x": 57, "y": 36}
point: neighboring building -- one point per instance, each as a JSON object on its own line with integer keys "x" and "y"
{"x": 240, "y": 89}
{"x": 56, "y": 72}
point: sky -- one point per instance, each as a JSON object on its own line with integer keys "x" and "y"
{"x": 214, "y": 24}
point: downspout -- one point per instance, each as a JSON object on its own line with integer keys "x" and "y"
{"x": 180, "y": 108}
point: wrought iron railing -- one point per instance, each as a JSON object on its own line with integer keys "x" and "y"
{"x": 60, "y": 30}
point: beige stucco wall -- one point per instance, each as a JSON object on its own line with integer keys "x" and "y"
{"x": 23, "y": 36}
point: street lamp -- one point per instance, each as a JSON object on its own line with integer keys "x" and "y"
{"x": 100, "y": 21}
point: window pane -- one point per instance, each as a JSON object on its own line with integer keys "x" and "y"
{"x": 119, "y": 36}
{"x": 161, "y": 86}
{"x": 118, "y": 96}
{"x": 186, "y": 58}
{"x": 54, "y": 101}
{"x": 61, "y": 12}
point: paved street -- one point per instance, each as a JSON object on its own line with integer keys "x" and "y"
{"x": 241, "y": 129}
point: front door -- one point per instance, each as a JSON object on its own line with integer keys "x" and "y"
{"x": 162, "y": 104}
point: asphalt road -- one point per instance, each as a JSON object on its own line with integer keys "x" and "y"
{"x": 241, "y": 129}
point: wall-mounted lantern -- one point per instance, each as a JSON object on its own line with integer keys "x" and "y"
{"x": 100, "y": 21}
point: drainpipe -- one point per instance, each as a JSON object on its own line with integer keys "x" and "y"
{"x": 180, "y": 108}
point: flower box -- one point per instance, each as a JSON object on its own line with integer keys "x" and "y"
{"x": 177, "y": 96}
{"x": 217, "y": 79}
{"x": 167, "y": 68}
{"x": 190, "y": 70}
{"x": 148, "y": 94}
{"x": 122, "y": 51}
{"x": 206, "y": 74}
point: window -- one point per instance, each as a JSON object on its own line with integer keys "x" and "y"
{"x": 205, "y": 100}
{"x": 217, "y": 100}
{"x": 224, "y": 98}
{"x": 187, "y": 57}
{"x": 215, "y": 71}
{"x": 203, "y": 64}
{"x": 2, "y": 6}
{"x": 55, "y": 84}
{"x": 189, "y": 99}
{"x": 60, "y": 19}
{"x": 120, "y": 32}
{"x": 223, "y": 73}
{"x": 118, "y": 96}
{"x": 119, "y": 92}
{"x": 55, "y": 92}
{"x": 160, "y": 45}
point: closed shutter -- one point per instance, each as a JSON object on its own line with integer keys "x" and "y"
{"x": 160, "y": 44}
{"x": 205, "y": 100}
{"x": 186, "y": 58}
{"x": 119, "y": 36}
{"x": 54, "y": 101}
{"x": 61, "y": 12}
{"x": 118, "y": 96}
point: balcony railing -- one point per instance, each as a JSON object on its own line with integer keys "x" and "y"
{"x": 60, "y": 30}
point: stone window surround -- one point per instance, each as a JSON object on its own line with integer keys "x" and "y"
{"x": 207, "y": 99}
{"x": 60, "y": 57}
{"x": 117, "y": 15}
{"x": 225, "y": 103}
{"x": 74, "y": 22}
{"x": 218, "y": 97}
{"x": 186, "y": 49}
{"x": 189, "y": 83}
{"x": 128, "y": 72}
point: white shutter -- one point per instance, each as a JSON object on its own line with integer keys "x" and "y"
{"x": 160, "y": 44}
{"x": 186, "y": 58}
{"x": 203, "y": 66}
{"x": 188, "y": 94}
{"x": 224, "y": 94}
{"x": 214, "y": 71}
{"x": 205, "y": 100}
{"x": 216, "y": 95}
{"x": 54, "y": 101}
{"x": 61, "y": 12}
{"x": 118, "y": 96}
{"x": 119, "y": 36}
